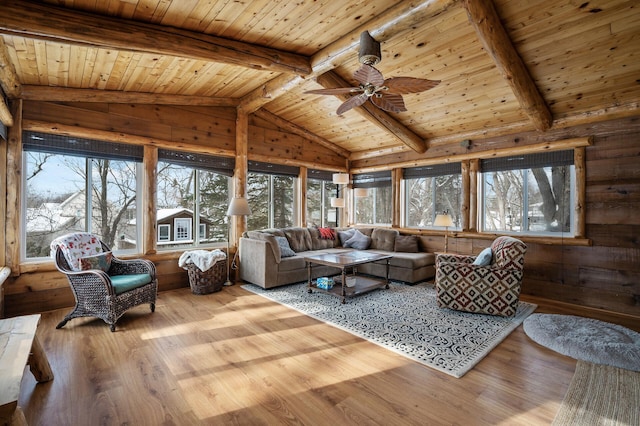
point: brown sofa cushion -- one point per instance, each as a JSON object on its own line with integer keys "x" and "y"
{"x": 406, "y": 243}
{"x": 383, "y": 239}
{"x": 319, "y": 243}
{"x": 299, "y": 239}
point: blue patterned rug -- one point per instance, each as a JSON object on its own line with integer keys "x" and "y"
{"x": 406, "y": 320}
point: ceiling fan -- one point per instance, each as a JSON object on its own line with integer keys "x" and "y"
{"x": 384, "y": 93}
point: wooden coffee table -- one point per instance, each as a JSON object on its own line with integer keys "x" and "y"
{"x": 348, "y": 260}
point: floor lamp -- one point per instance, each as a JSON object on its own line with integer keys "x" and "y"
{"x": 237, "y": 207}
{"x": 444, "y": 220}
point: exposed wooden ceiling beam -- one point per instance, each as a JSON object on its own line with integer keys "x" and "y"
{"x": 484, "y": 18}
{"x": 5, "y": 114}
{"x": 394, "y": 20}
{"x": 46, "y": 22}
{"x": 331, "y": 80}
{"x": 297, "y": 130}
{"x": 8, "y": 78}
{"x": 53, "y": 94}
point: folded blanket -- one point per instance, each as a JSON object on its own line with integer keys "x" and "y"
{"x": 203, "y": 259}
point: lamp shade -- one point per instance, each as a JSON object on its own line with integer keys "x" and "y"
{"x": 337, "y": 202}
{"x": 341, "y": 178}
{"x": 239, "y": 207}
{"x": 443, "y": 220}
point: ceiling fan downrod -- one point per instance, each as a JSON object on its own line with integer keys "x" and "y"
{"x": 369, "y": 52}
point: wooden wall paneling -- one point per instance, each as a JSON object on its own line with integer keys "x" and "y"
{"x": 149, "y": 202}
{"x": 14, "y": 191}
{"x": 607, "y": 235}
{"x": 58, "y": 113}
{"x": 40, "y": 301}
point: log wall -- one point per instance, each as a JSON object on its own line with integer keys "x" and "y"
{"x": 603, "y": 275}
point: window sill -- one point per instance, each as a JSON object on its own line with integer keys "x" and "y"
{"x": 534, "y": 239}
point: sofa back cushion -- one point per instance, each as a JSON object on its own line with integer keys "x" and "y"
{"x": 319, "y": 243}
{"x": 299, "y": 239}
{"x": 269, "y": 239}
{"x": 384, "y": 239}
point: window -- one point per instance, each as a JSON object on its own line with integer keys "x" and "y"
{"x": 271, "y": 195}
{"x": 376, "y": 207}
{"x": 74, "y": 184}
{"x": 193, "y": 195}
{"x": 164, "y": 232}
{"x": 532, "y": 193}
{"x": 320, "y": 189}
{"x": 431, "y": 190}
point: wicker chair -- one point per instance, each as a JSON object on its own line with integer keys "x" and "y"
{"x": 492, "y": 289}
{"x": 106, "y": 294}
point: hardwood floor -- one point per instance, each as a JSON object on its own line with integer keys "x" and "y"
{"x": 233, "y": 357}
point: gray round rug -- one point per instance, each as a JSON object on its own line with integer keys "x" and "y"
{"x": 586, "y": 339}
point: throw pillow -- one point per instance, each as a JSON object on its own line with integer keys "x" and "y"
{"x": 285, "y": 249}
{"x": 358, "y": 241}
{"x": 406, "y": 243}
{"x": 484, "y": 258}
{"x": 327, "y": 233}
{"x": 100, "y": 261}
{"x": 345, "y": 235}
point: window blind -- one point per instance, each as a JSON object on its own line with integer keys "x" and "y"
{"x": 273, "y": 169}
{"x": 432, "y": 170}
{"x": 80, "y": 147}
{"x": 372, "y": 180}
{"x": 320, "y": 175}
{"x": 527, "y": 161}
{"x": 212, "y": 163}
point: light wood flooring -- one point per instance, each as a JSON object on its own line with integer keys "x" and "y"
{"x": 233, "y": 357}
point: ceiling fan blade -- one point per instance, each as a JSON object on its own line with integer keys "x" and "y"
{"x": 401, "y": 85}
{"x": 391, "y": 102}
{"x": 352, "y": 103}
{"x": 367, "y": 74}
{"x": 336, "y": 91}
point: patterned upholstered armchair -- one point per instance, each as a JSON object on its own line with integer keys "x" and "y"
{"x": 492, "y": 289}
{"x": 103, "y": 285}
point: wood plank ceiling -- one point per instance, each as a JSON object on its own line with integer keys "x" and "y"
{"x": 558, "y": 62}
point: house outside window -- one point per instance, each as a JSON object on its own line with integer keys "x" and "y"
{"x": 529, "y": 194}
{"x": 271, "y": 195}
{"x": 59, "y": 172}
{"x": 376, "y": 207}
{"x": 193, "y": 196}
{"x": 320, "y": 189}
{"x": 432, "y": 190}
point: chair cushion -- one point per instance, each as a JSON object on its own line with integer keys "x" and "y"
{"x": 484, "y": 258}
{"x": 101, "y": 261}
{"x": 124, "y": 283}
{"x": 75, "y": 246}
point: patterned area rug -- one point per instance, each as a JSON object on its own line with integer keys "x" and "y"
{"x": 407, "y": 320}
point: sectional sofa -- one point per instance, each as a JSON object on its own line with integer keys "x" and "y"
{"x": 275, "y": 257}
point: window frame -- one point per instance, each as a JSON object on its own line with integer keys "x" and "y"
{"x": 529, "y": 161}
{"x": 88, "y": 151}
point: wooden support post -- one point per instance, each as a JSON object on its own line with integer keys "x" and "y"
{"x": 466, "y": 201}
{"x": 396, "y": 179}
{"x": 150, "y": 201}
{"x": 14, "y": 189}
